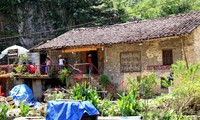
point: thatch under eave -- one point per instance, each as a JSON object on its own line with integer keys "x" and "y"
{"x": 126, "y": 32}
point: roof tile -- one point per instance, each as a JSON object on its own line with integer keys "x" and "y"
{"x": 126, "y": 32}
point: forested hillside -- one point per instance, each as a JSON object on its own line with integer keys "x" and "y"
{"x": 29, "y": 22}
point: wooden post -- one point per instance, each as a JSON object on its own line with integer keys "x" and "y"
{"x": 0, "y": 89}
{"x": 183, "y": 49}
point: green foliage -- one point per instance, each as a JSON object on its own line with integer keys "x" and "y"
{"x": 184, "y": 97}
{"x": 64, "y": 76}
{"x": 24, "y": 109}
{"x": 165, "y": 82}
{"x": 148, "y": 9}
{"x": 108, "y": 108}
{"x": 84, "y": 92}
{"x": 187, "y": 80}
{"x": 133, "y": 85}
{"x": 3, "y": 111}
{"x": 52, "y": 72}
{"x": 147, "y": 83}
{"x": 104, "y": 80}
{"x": 23, "y": 58}
{"x": 166, "y": 115}
{"x": 20, "y": 68}
{"x": 129, "y": 104}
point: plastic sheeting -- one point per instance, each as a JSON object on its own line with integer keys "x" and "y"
{"x": 23, "y": 93}
{"x": 62, "y": 110}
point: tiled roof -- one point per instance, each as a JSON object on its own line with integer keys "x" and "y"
{"x": 126, "y": 32}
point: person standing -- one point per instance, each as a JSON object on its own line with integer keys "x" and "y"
{"x": 89, "y": 60}
{"x": 61, "y": 62}
{"x": 48, "y": 64}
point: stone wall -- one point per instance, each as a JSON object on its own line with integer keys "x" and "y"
{"x": 151, "y": 54}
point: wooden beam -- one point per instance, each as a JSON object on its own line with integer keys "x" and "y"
{"x": 80, "y": 49}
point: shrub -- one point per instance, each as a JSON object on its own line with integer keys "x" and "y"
{"x": 184, "y": 97}
{"x": 84, "y": 92}
{"x": 165, "y": 82}
{"x": 20, "y": 68}
{"x": 104, "y": 80}
{"x": 64, "y": 76}
{"x": 129, "y": 104}
{"x": 108, "y": 108}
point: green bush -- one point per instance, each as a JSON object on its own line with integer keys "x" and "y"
{"x": 165, "y": 82}
{"x": 104, "y": 80}
{"x": 64, "y": 76}
{"x": 166, "y": 115}
{"x": 20, "y": 68}
{"x": 108, "y": 108}
{"x": 129, "y": 104}
{"x": 84, "y": 93}
{"x": 185, "y": 95}
{"x": 187, "y": 80}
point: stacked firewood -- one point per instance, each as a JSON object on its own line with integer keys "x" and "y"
{"x": 8, "y": 101}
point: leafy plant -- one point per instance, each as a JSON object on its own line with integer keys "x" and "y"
{"x": 84, "y": 92}
{"x": 3, "y": 111}
{"x": 108, "y": 108}
{"x": 146, "y": 86}
{"x": 20, "y": 68}
{"x": 23, "y": 58}
{"x": 187, "y": 80}
{"x": 104, "y": 80}
{"x": 24, "y": 109}
{"x": 64, "y": 76}
{"x": 165, "y": 82}
{"x": 184, "y": 97}
{"x": 52, "y": 73}
{"x": 166, "y": 115}
{"x": 103, "y": 107}
{"x": 129, "y": 104}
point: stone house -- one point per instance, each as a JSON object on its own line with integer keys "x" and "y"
{"x": 131, "y": 49}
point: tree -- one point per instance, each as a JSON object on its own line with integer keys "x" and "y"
{"x": 149, "y": 9}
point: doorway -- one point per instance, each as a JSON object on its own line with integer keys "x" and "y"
{"x": 42, "y": 58}
{"x": 94, "y": 60}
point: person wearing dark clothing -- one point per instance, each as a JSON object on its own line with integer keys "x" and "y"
{"x": 89, "y": 60}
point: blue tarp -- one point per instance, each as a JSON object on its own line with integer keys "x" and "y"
{"x": 24, "y": 94}
{"x": 62, "y": 110}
